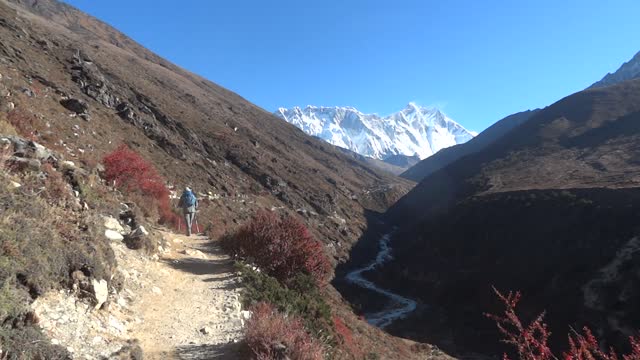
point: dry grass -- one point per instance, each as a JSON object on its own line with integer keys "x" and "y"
{"x": 6, "y": 128}
{"x": 42, "y": 242}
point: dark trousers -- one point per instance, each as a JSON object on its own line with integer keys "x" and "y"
{"x": 188, "y": 219}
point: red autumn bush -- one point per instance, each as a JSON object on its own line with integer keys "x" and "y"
{"x": 531, "y": 341}
{"x": 282, "y": 247}
{"x": 345, "y": 336}
{"x": 130, "y": 172}
{"x": 271, "y": 335}
{"x": 23, "y": 122}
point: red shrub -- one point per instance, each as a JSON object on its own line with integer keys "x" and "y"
{"x": 282, "y": 247}
{"x": 24, "y": 123}
{"x": 346, "y": 337}
{"x": 271, "y": 335}
{"x": 129, "y": 171}
{"x": 531, "y": 340}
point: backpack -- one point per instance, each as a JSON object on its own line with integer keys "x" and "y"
{"x": 188, "y": 199}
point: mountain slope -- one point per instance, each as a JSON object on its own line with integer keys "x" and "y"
{"x": 198, "y": 132}
{"x": 628, "y": 71}
{"x": 80, "y": 87}
{"x": 414, "y": 130}
{"x": 550, "y": 209}
{"x": 447, "y": 156}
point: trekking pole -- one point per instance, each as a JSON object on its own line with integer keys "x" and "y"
{"x": 195, "y": 219}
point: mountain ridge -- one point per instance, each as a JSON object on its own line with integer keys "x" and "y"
{"x": 412, "y": 131}
{"x": 627, "y": 71}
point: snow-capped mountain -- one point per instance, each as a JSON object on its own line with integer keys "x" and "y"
{"x": 415, "y": 130}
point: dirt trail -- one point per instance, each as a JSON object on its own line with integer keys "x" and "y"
{"x": 191, "y": 308}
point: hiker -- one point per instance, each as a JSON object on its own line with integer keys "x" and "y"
{"x": 189, "y": 203}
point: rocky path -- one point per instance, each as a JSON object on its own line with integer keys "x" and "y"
{"x": 181, "y": 304}
{"x": 190, "y": 307}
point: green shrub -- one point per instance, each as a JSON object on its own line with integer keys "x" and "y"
{"x": 302, "y": 298}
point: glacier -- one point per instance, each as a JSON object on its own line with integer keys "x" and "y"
{"x": 414, "y": 131}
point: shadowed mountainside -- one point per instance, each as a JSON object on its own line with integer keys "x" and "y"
{"x": 549, "y": 209}
{"x": 449, "y": 155}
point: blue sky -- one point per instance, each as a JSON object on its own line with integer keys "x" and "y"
{"x": 476, "y": 60}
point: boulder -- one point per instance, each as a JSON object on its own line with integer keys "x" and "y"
{"x": 75, "y": 105}
{"x": 40, "y": 152}
{"x": 137, "y": 239}
{"x": 23, "y": 148}
{"x": 113, "y": 235}
{"x": 113, "y": 224}
{"x": 194, "y": 253}
{"x": 68, "y": 165}
{"x": 100, "y": 292}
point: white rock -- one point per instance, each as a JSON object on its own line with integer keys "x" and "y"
{"x": 101, "y": 291}
{"x": 206, "y": 330}
{"x": 113, "y": 235}
{"x": 122, "y": 302}
{"x": 195, "y": 253}
{"x": 114, "y": 323}
{"x": 68, "y": 165}
{"x": 11, "y": 106}
{"x": 112, "y": 224}
{"x": 156, "y": 290}
{"x": 55, "y": 341}
{"x": 143, "y": 230}
{"x": 246, "y": 315}
{"x": 15, "y": 185}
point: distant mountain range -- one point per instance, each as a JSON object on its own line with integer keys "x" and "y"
{"x": 415, "y": 131}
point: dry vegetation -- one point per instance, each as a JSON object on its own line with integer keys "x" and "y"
{"x": 43, "y": 241}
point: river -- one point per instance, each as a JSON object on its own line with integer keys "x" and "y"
{"x": 400, "y": 306}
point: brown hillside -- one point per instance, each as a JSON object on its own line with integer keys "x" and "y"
{"x": 81, "y": 88}
{"x": 195, "y": 131}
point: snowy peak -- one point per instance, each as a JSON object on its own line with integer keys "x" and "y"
{"x": 413, "y": 131}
